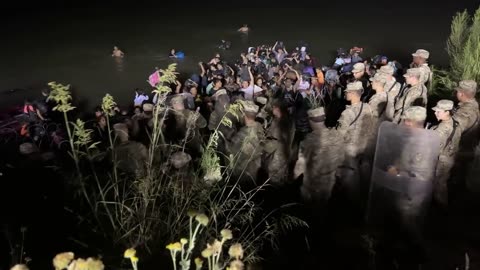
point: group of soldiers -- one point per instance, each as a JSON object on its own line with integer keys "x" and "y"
{"x": 264, "y": 141}
{"x": 380, "y": 147}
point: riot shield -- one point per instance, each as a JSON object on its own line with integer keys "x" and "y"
{"x": 402, "y": 176}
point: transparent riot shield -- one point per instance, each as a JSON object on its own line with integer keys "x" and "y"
{"x": 402, "y": 176}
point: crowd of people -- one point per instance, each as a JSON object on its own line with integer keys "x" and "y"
{"x": 301, "y": 119}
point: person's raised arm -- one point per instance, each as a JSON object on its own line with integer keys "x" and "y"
{"x": 275, "y": 47}
{"x": 40, "y": 115}
{"x": 231, "y": 69}
{"x": 179, "y": 86}
{"x": 202, "y": 73}
{"x": 252, "y": 79}
{"x": 244, "y": 58}
{"x": 299, "y": 78}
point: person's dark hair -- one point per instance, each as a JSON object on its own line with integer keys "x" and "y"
{"x": 216, "y": 80}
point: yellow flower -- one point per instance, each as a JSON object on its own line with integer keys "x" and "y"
{"x": 134, "y": 259}
{"x": 198, "y": 263}
{"x": 129, "y": 253}
{"x": 19, "y": 267}
{"x": 202, "y": 219}
{"x": 62, "y": 260}
{"x": 81, "y": 264}
{"x": 207, "y": 253}
{"x": 236, "y": 251}
{"x": 184, "y": 241}
{"x": 226, "y": 234}
{"x": 236, "y": 265}
{"x": 175, "y": 246}
{"x": 191, "y": 213}
{"x": 94, "y": 264}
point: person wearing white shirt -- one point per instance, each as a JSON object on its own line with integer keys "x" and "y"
{"x": 139, "y": 99}
{"x": 249, "y": 88}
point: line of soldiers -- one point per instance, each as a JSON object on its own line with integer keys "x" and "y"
{"x": 262, "y": 139}
{"x": 263, "y": 142}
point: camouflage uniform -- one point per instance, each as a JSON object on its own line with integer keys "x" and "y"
{"x": 392, "y": 88}
{"x": 426, "y": 75}
{"x": 222, "y": 101}
{"x": 468, "y": 116}
{"x": 278, "y": 148}
{"x": 355, "y": 125}
{"x": 244, "y": 148}
{"x": 321, "y": 150}
{"x": 450, "y": 134}
{"x": 378, "y": 103}
{"x": 184, "y": 125}
{"x": 410, "y": 96}
{"x": 129, "y": 156}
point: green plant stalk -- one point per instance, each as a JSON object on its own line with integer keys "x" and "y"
{"x": 115, "y": 173}
{"x": 154, "y": 139}
{"x": 102, "y": 194}
{"x": 70, "y": 139}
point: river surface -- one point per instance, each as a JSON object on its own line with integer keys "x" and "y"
{"x": 73, "y": 46}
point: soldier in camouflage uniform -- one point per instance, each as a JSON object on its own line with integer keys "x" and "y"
{"x": 378, "y": 102}
{"x": 245, "y": 149}
{"x": 130, "y": 156}
{"x": 392, "y": 88}
{"x": 355, "y": 126}
{"x": 221, "y": 103}
{"x": 413, "y": 93}
{"x": 360, "y": 75}
{"x": 420, "y": 58}
{"x": 182, "y": 126}
{"x": 278, "y": 144}
{"x": 468, "y": 116}
{"x": 450, "y": 133}
{"x": 320, "y": 151}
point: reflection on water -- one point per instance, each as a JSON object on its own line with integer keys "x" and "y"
{"x": 119, "y": 63}
{"x": 85, "y": 60}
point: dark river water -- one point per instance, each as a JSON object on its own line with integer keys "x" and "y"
{"x": 73, "y": 46}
